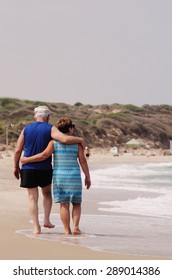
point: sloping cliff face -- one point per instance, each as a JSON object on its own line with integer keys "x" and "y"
{"x": 101, "y": 126}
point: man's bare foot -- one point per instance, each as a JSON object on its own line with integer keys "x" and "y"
{"x": 37, "y": 230}
{"x": 77, "y": 231}
{"x": 49, "y": 225}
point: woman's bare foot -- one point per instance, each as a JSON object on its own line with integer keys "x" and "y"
{"x": 77, "y": 231}
{"x": 37, "y": 230}
{"x": 68, "y": 232}
{"x": 49, "y": 225}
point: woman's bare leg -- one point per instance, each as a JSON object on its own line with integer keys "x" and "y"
{"x": 76, "y": 214}
{"x": 65, "y": 216}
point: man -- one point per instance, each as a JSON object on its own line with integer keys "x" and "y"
{"x": 34, "y": 138}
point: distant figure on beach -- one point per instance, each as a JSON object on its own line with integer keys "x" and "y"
{"x": 34, "y": 138}
{"x": 87, "y": 152}
{"x": 67, "y": 184}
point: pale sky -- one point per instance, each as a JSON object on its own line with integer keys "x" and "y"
{"x": 89, "y": 51}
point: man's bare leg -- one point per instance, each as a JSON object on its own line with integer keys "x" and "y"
{"x": 33, "y": 208}
{"x": 65, "y": 216}
{"x": 76, "y": 214}
{"x": 47, "y": 204}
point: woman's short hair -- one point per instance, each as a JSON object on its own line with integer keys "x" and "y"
{"x": 64, "y": 124}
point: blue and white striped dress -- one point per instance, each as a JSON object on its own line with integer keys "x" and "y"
{"x": 67, "y": 185}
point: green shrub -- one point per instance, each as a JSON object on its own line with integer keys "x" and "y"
{"x": 78, "y": 104}
{"x": 133, "y": 108}
{"x": 5, "y": 101}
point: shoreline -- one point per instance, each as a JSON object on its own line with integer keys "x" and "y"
{"x": 104, "y": 156}
{"x": 15, "y": 216}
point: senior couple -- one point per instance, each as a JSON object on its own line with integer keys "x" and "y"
{"x": 40, "y": 140}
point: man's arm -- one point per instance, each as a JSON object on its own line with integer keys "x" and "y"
{"x": 66, "y": 139}
{"x": 17, "y": 155}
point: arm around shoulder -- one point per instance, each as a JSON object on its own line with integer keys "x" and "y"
{"x": 66, "y": 139}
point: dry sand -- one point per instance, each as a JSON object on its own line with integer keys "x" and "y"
{"x": 15, "y": 216}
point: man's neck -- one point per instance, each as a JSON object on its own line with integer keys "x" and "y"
{"x": 41, "y": 120}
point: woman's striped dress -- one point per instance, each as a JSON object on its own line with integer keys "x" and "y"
{"x": 67, "y": 185}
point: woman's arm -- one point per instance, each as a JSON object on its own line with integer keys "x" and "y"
{"x": 84, "y": 165}
{"x": 41, "y": 156}
{"x": 66, "y": 139}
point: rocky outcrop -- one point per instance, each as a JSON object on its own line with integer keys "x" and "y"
{"x": 101, "y": 126}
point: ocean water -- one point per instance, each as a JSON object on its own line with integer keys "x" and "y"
{"x": 127, "y": 210}
{"x": 152, "y": 179}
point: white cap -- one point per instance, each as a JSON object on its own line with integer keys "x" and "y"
{"x": 42, "y": 111}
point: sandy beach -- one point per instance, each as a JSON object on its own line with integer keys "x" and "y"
{"x": 15, "y": 218}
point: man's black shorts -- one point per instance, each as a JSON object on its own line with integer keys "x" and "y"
{"x": 32, "y": 178}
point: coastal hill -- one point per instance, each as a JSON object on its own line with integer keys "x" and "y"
{"x": 102, "y": 126}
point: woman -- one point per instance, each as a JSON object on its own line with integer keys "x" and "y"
{"x": 67, "y": 185}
